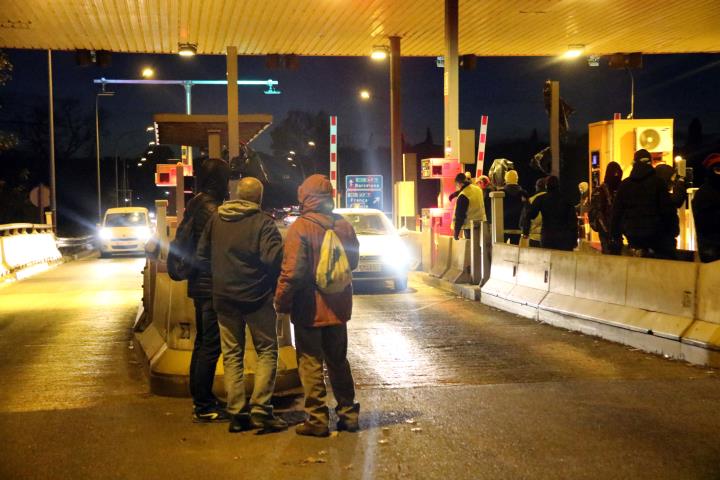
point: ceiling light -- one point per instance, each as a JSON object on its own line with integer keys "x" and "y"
{"x": 187, "y": 49}
{"x": 148, "y": 72}
{"x": 365, "y": 95}
{"x": 574, "y": 51}
{"x": 150, "y": 129}
{"x": 379, "y": 52}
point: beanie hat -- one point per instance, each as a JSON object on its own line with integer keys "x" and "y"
{"x": 711, "y": 161}
{"x": 511, "y": 177}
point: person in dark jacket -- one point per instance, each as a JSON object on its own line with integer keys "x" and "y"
{"x": 513, "y": 204}
{"x": 559, "y": 223}
{"x": 319, "y": 318}
{"x": 674, "y": 183}
{"x": 212, "y": 188}
{"x": 644, "y": 211}
{"x": 242, "y": 248}
{"x": 601, "y": 207}
{"x": 706, "y": 211}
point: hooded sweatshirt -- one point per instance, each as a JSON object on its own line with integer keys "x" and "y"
{"x": 297, "y": 293}
{"x": 643, "y": 208}
{"x": 242, "y": 248}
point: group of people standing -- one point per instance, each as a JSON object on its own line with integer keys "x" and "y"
{"x": 245, "y": 275}
{"x": 642, "y": 208}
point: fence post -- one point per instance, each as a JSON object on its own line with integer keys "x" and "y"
{"x": 498, "y": 222}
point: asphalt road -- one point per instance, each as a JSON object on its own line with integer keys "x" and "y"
{"x": 449, "y": 389}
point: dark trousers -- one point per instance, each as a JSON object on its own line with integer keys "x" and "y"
{"x": 206, "y": 352}
{"x": 327, "y": 345}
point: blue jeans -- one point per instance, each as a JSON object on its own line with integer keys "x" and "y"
{"x": 262, "y": 324}
{"x": 206, "y": 352}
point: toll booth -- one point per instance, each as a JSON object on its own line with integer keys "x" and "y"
{"x": 445, "y": 170}
{"x": 618, "y": 140}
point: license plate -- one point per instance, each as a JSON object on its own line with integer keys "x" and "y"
{"x": 369, "y": 267}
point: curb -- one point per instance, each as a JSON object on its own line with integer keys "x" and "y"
{"x": 464, "y": 290}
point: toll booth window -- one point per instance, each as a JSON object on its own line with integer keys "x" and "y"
{"x": 368, "y": 224}
{"x": 134, "y": 219}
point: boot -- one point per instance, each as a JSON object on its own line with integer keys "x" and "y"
{"x": 308, "y": 429}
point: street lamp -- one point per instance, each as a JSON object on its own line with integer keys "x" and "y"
{"x": 97, "y": 149}
{"x": 365, "y": 94}
{"x": 292, "y": 152}
{"x": 379, "y": 53}
{"x": 150, "y": 129}
{"x": 148, "y": 72}
{"x": 311, "y": 143}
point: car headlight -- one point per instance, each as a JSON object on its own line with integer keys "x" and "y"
{"x": 105, "y": 233}
{"x": 396, "y": 255}
{"x": 143, "y": 233}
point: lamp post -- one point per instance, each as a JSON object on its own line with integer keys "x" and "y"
{"x": 97, "y": 149}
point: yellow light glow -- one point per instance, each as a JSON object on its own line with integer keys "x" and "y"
{"x": 573, "y": 51}
{"x": 187, "y": 50}
{"x": 148, "y": 72}
{"x": 365, "y": 94}
{"x": 379, "y": 53}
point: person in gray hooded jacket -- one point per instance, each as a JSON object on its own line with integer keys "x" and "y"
{"x": 242, "y": 247}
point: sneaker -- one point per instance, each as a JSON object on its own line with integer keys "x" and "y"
{"x": 344, "y": 425}
{"x": 240, "y": 423}
{"x": 268, "y": 423}
{"x": 310, "y": 430}
{"x": 211, "y": 415}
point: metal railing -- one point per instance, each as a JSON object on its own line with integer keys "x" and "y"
{"x": 79, "y": 243}
{"x": 21, "y": 228}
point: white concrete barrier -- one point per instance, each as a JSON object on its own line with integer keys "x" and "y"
{"x": 705, "y": 331}
{"x": 459, "y": 269}
{"x": 503, "y": 278}
{"x": 26, "y": 246}
{"x": 441, "y": 262}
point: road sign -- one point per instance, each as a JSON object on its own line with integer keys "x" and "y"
{"x": 40, "y": 196}
{"x": 364, "y": 191}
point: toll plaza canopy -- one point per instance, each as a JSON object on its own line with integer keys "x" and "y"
{"x": 180, "y": 129}
{"x": 352, "y": 27}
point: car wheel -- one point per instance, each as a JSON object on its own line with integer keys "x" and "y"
{"x": 401, "y": 284}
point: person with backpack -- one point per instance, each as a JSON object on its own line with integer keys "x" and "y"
{"x": 242, "y": 247}
{"x": 212, "y": 188}
{"x": 601, "y": 207}
{"x": 315, "y": 289}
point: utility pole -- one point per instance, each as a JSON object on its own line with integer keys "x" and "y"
{"x": 555, "y": 127}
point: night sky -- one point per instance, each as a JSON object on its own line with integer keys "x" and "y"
{"x": 509, "y": 90}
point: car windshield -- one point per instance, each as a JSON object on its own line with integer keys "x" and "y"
{"x": 368, "y": 223}
{"x": 131, "y": 219}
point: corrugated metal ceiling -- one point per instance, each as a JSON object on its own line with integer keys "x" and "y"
{"x": 352, "y": 27}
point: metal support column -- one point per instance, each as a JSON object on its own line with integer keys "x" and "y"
{"x": 188, "y": 111}
{"x": 395, "y": 129}
{"x": 51, "y": 122}
{"x": 451, "y": 76}
{"x": 232, "y": 103}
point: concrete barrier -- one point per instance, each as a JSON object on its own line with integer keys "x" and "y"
{"x": 25, "y": 247}
{"x": 503, "y": 277}
{"x": 459, "y": 269}
{"x": 705, "y": 331}
{"x": 442, "y": 260}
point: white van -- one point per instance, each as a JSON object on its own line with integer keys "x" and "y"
{"x": 124, "y": 230}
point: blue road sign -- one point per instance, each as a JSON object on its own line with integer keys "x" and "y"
{"x": 364, "y": 191}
